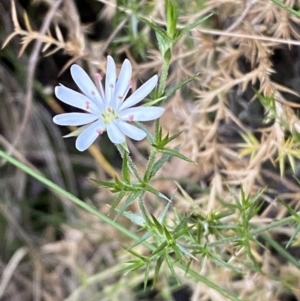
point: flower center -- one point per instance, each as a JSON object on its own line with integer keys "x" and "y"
{"x": 109, "y": 116}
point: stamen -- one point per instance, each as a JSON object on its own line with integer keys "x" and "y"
{"x": 130, "y": 118}
{"x": 87, "y": 105}
{"x": 99, "y": 79}
{"x": 98, "y": 76}
{"x": 100, "y": 131}
{"x": 122, "y": 97}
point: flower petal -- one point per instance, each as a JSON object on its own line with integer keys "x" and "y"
{"x": 89, "y": 135}
{"x": 141, "y": 113}
{"x": 114, "y": 133}
{"x": 110, "y": 80}
{"x": 74, "y": 118}
{"x": 85, "y": 84}
{"x": 75, "y": 99}
{"x": 123, "y": 83}
{"x": 140, "y": 93}
{"x": 131, "y": 131}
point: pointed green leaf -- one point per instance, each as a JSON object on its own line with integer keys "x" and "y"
{"x": 142, "y": 239}
{"x": 163, "y": 213}
{"x": 170, "y": 265}
{"x": 293, "y": 236}
{"x": 187, "y": 28}
{"x": 157, "y": 224}
{"x": 152, "y": 190}
{"x": 186, "y": 252}
{"x": 135, "y": 218}
{"x": 142, "y": 257}
{"x": 177, "y": 251}
{"x": 168, "y": 235}
{"x": 173, "y": 89}
{"x": 156, "y": 28}
{"x": 118, "y": 199}
{"x": 158, "y": 164}
{"x": 172, "y": 17}
{"x": 147, "y": 271}
{"x": 158, "y": 265}
{"x": 175, "y": 154}
{"x": 130, "y": 199}
{"x": 161, "y": 247}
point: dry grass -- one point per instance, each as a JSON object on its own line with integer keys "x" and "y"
{"x": 52, "y": 250}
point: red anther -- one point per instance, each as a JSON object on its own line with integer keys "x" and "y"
{"x": 100, "y": 131}
{"x": 130, "y": 84}
{"x": 98, "y": 76}
{"x": 87, "y": 105}
{"x": 130, "y": 118}
{"x": 120, "y": 97}
{"x": 109, "y": 109}
{"x": 93, "y": 92}
{"x": 111, "y": 85}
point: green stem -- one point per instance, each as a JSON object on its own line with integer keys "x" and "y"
{"x": 131, "y": 165}
{"x": 163, "y": 78}
{"x": 150, "y": 165}
{"x": 143, "y": 207}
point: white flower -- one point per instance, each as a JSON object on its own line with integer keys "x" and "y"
{"x": 106, "y": 110}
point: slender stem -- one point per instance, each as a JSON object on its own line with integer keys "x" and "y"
{"x": 134, "y": 169}
{"x": 131, "y": 165}
{"x": 163, "y": 78}
{"x": 150, "y": 165}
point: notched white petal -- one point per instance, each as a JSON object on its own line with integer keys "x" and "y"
{"x": 140, "y": 93}
{"x": 85, "y": 84}
{"x": 74, "y": 119}
{"x": 131, "y": 131}
{"x": 141, "y": 113}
